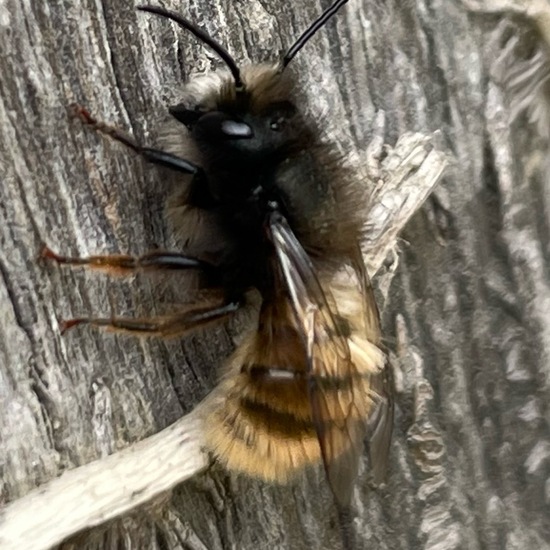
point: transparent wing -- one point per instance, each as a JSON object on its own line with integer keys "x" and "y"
{"x": 380, "y": 424}
{"x": 339, "y": 424}
{"x": 380, "y": 421}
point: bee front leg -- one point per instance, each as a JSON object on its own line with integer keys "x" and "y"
{"x": 150, "y": 154}
{"x": 121, "y": 264}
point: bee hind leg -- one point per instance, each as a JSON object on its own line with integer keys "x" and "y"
{"x": 168, "y": 326}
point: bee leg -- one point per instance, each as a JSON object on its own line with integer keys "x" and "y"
{"x": 159, "y": 326}
{"x": 155, "y": 156}
{"x": 121, "y": 264}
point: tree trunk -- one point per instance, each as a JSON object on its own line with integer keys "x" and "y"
{"x": 466, "y": 314}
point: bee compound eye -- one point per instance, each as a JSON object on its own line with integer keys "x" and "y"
{"x": 233, "y": 129}
{"x": 219, "y": 126}
{"x": 277, "y": 124}
{"x": 279, "y": 114}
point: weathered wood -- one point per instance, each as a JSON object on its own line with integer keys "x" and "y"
{"x": 466, "y": 314}
{"x": 120, "y": 482}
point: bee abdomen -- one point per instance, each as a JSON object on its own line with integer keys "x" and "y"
{"x": 260, "y": 420}
{"x": 254, "y": 438}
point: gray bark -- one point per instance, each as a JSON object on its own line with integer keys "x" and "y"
{"x": 466, "y": 315}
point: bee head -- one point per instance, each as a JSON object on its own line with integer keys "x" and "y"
{"x": 243, "y": 119}
{"x": 260, "y": 123}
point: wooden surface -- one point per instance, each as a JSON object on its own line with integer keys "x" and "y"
{"x": 467, "y": 311}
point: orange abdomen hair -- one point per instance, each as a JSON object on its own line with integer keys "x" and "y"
{"x": 260, "y": 421}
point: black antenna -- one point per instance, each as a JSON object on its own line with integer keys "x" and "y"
{"x": 313, "y": 28}
{"x": 203, "y": 37}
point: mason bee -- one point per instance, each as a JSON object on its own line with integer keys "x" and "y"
{"x": 268, "y": 208}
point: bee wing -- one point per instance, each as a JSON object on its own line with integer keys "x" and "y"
{"x": 380, "y": 422}
{"x": 340, "y": 429}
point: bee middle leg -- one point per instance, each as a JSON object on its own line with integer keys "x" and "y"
{"x": 121, "y": 264}
{"x": 168, "y": 326}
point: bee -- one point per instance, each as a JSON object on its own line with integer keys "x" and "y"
{"x": 267, "y": 208}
